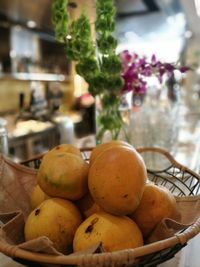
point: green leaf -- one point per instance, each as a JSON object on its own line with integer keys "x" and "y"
{"x": 111, "y": 64}
{"x": 106, "y": 44}
{"x": 105, "y": 24}
{"x": 87, "y": 68}
{"x": 60, "y": 19}
{"x": 103, "y": 73}
{"x": 81, "y": 38}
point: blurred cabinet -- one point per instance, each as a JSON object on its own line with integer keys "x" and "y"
{"x": 27, "y": 51}
{"x": 31, "y": 145}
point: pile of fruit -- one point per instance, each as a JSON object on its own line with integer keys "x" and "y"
{"x": 77, "y": 204}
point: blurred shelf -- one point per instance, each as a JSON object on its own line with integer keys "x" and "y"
{"x": 23, "y": 76}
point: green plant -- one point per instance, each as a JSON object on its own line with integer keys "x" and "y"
{"x": 96, "y": 58}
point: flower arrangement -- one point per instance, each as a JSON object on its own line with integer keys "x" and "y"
{"x": 136, "y": 69}
{"x": 108, "y": 74}
{"x": 96, "y": 58}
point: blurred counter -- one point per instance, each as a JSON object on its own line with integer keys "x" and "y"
{"x": 29, "y": 138}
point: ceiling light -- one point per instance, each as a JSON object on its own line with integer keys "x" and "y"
{"x": 197, "y": 6}
{"x": 31, "y": 24}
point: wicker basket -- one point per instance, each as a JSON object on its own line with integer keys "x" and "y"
{"x": 180, "y": 180}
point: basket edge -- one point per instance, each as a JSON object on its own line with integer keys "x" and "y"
{"x": 125, "y": 255}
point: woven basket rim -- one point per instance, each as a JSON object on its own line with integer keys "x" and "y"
{"x": 125, "y": 256}
{"x": 156, "y": 149}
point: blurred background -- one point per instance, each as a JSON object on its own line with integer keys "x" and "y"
{"x": 43, "y": 101}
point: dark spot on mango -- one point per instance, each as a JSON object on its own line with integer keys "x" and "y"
{"x": 89, "y": 229}
{"x": 37, "y": 212}
{"x": 125, "y": 196}
{"x": 91, "y": 226}
{"x": 58, "y": 147}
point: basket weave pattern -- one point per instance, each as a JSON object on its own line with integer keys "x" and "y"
{"x": 180, "y": 180}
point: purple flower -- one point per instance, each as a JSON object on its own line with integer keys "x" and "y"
{"x": 169, "y": 67}
{"x": 153, "y": 60}
{"x": 147, "y": 71}
{"x": 142, "y": 61}
{"x": 184, "y": 69}
{"x": 136, "y": 69}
